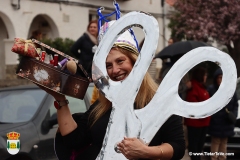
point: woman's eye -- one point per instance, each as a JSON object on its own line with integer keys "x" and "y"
{"x": 120, "y": 61}
{"x": 108, "y": 66}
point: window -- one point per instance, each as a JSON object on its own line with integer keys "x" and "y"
{"x": 19, "y": 105}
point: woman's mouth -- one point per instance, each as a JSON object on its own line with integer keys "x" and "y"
{"x": 120, "y": 77}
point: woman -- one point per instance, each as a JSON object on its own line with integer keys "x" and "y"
{"x": 85, "y": 133}
{"x": 197, "y": 128}
{"x": 220, "y": 129}
{"x": 84, "y": 47}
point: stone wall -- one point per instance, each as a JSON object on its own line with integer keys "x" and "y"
{"x": 12, "y": 79}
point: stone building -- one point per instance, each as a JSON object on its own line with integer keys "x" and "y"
{"x": 62, "y": 18}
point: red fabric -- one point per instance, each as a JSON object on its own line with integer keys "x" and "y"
{"x": 198, "y": 93}
{"x": 24, "y": 47}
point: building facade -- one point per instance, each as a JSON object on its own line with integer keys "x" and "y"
{"x": 65, "y": 19}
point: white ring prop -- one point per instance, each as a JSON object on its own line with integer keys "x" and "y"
{"x": 144, "y": 123}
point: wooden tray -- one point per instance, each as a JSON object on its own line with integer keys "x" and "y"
{"x": 53, "y": 78}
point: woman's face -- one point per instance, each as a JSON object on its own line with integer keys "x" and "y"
{"x": 118, "y": 65}
{"x": 170, "y": 41}
{"x": 93, "y": 29}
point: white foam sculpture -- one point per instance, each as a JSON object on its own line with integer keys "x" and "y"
{"x": 144, "y": 123}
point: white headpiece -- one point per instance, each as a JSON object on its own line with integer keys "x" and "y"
{"x": 125, "y": 40}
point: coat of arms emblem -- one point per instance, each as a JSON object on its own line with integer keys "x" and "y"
{"x": 13, "y": 142}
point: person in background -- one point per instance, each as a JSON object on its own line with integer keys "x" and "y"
{"x": 171, "y": 41}
{"x": 37, "y": 34}
{"x": 85, "y": 47}
{"x": 220, "y": 128}
{"x": 197, "y": 128}
{"x": 184, "y": 85}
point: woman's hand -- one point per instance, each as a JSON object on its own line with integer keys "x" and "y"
{"x": 132, "y": 148}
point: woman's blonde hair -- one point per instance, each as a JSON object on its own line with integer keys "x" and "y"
{"x": 147, "y": 90}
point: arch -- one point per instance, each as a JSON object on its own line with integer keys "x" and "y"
{"x": 45, "y": 24}
{"x": 7, "y": 32}
{"x": 9, "y": 26}
{"x": 3, "y": 35}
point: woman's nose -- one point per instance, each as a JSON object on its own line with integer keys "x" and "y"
{"x": 115, "y": 69}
